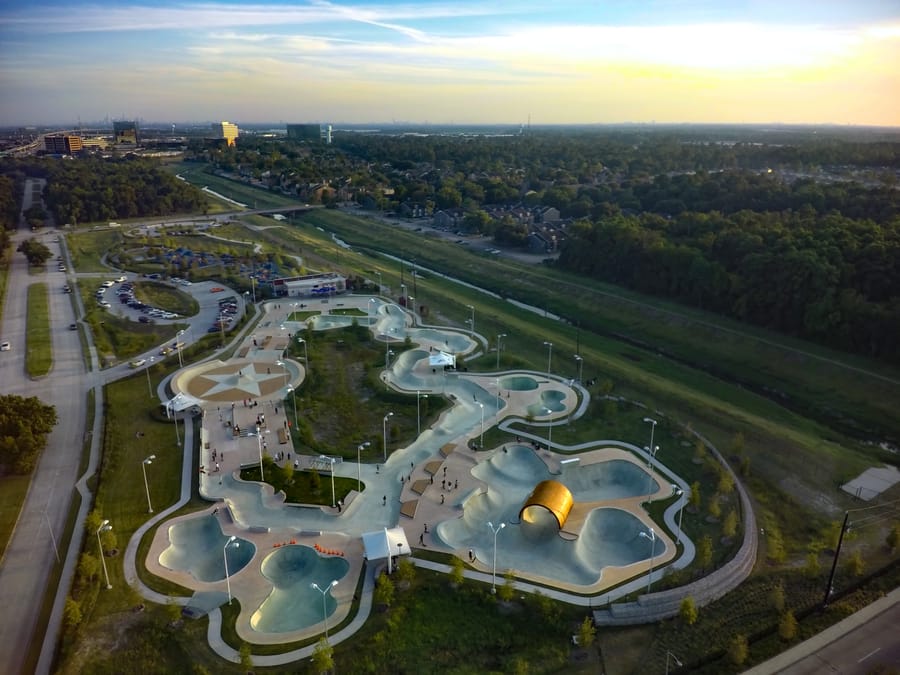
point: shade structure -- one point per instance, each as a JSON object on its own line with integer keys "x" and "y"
{"x": 552, "y": 496}
{"x": 440, "y": 359}
{"x": 385, "y": 543}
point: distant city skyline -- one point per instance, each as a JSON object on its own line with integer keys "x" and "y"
{"x": 448, "y": 62}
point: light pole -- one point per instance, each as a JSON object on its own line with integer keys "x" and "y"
{"x": 419, "y": 396}
{"x": 293, "y": 392}
{"x": 144, "y": 464}
{"x": 496, "y": 531}
{"x": 412, "y": 301}
{"x": 358, "y": 461}
{"x": 104, "y": 527}
{"x": 177, "y": 435}
{"x": 379, "y": 282}
{"x": 262, "y": 475}
{"x": 384, "y": 432}
{"x": 674, "y": 658}
{"x": 481, "y": 443}
{"x": 549, "y": 346}
{"x": 324, "y": 607}
{"x": 372, "y": 304}
{"x": 580, "y": 361}
{"x": 403, "y": 292}
{"x": 678, "y": 491}
{"x": 651, "y": 454}
{"x": 549, "y": 429}
{"x": 149, "y": 386}
{"x": 283, "y": 367}
{"x": 499, "y": 338}
{"x": 331, "y": 461}
{"x": 305, "y": 353}
{"x": 471, "y": 320}
{"x": 231, "y": 539}
{"x": 652, "y": 538}
{"x": 178, "y": 347}
{"x": 387, "y": 375}
{"x": 652, "y": 423}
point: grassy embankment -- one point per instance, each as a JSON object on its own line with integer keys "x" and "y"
{"x": 166, "y": 297}
{"x": 39, "y": 345}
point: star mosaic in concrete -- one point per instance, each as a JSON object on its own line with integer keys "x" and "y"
{"x": 238, "y": 381}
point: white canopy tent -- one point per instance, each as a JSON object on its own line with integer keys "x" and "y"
{"x": 441, "y": 359}
{"x": 180, "y": 403}
{"x": 386, "y": 544}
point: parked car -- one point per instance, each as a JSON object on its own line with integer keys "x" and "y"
{"x": 144, "y": 319}
{"x": 121, "y": 279}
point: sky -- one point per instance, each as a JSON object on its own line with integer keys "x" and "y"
{"x": 451, "y": 61}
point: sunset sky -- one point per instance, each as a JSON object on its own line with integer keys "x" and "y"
{"x": 451, "y": 61}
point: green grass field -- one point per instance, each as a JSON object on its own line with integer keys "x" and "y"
{"x": 87, "y": 248}
{"x": 12, "y": 495}
{"x": 39, "y": 347}
{"x": 254, "y": 198}
{"x": 166, "y": 297}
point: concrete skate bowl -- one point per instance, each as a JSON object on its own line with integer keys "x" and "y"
{"x": 293, "y": 604}
{"x": 613, "y": 479}
{"x": 329, "y": 321}
{"x": 448, "y": 341}
{"x": 518, "y": 383}
{"x": 196, "y": 546}
{"x": 551, "y": 402}
{"x": 612, "y": 537}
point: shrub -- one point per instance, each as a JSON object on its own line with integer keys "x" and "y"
{"x": 893, "y": 538}
{"x": 855, "y": 564}
{"x": 688, "y": 611}
{"x": 384, "y": 591}
{"x": 323, "y": 657}
{"x": 729, "y": 527}
{"x": 586, "y": 632}
{"x": 738, "y": 650}
{"x": 777, "y": 597}
{"x": 457, "y": 568}
{"x": 787, "y": 627}
{"x": 507, "y": 591}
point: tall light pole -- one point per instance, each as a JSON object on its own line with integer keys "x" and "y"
{"x": 499, "y": 338}
{"x": 549, "y": 346}
{"x": 378, "y": 274}
{"x": 678, "y": 491}
{"x": 651, "y": 454}
{"x": 419, "y": 396}
{"x": 104, "y": 527}
{"x": 471, "y": 320}
{"x": 549, "y": 429}
{"x": 652, "y": 537}
{"x": 387, "y": 356}
{"x": 403, "y": 292}
{"x": 384, "y": 432}
{"x": 178, "y": 347}
{"x": 293, "y": 392}
{"x": 262, "y": 475}
{"x": 358, "y": 462}
{"x": 370, "y": 306}
{"x": 496, "y": 531}
{"x": 149, "y": 386}
{"x": 652, "y": 423}
{"x": 331, "y": 461}
{"x": 144, "y": 464}
{"x": 231, "y": 539}
{"x": 283, "y": 367}
{"x": 674, "y": 658}
{"x": 481, "y": 443}
{"x": 412, "y": 301}
{"x": 580, "y": 361}
{"x": 305, "y": 353}
{"x": 324, "y": 607}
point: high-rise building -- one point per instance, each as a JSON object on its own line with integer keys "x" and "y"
{"x": 313, "y": 133}
{"x": 63, "y": 144}
{"x": 226, "y": 131}
{"x": 125, "y": 133}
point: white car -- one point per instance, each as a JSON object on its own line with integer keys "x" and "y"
{"x": 5, "y": 346}
{"x": 104, "y": 305}
{"x": 108, "y": 284}
{"x": 138, "y": 363}
{"x": 121, "y": 279}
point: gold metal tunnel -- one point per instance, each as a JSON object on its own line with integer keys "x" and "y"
{"x": 551, "y": 495}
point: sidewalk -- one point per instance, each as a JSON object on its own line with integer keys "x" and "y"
{"x": 827, "y": 636}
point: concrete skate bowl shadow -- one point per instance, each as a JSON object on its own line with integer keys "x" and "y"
{"x": 196, "y": 546}
{"x": 612, "y": 537}
{"x": 518, "y": 383}
{"x": 293, "y": 604}
{"x": 551, "y": 402}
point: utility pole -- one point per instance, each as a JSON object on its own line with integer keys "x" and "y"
{"x": 837, "y": 552}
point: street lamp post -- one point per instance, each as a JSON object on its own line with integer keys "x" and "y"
{"x": 471, "y": 320}
{"x": 379, "y": 282}
{"x": 370, "y": 306}
{"x": 652, "y": 537}
{"x": 481, "y": 442}
{"x": 651, "y": 454}
{"x": 499, "y": 338}
{"x": 384, "y": 432}
{"x": 330, "y": 460}
{"x": 231, "y": 539}
{"x": 293, "y": 392}
{"x": 284, "y": 372}
{"x": 419, "y": 395}
{"x": 305, "y": 353}
{"x": 549, "y": 429}
{"x": 674, "y": 658}
{"x": 104, "y": 527}
{"x": 358, "y": 461}
{"x": 144, "y": 464}
{"x": 324, "y": 607}
{"x": 652, "y": 423}
{"x": 262, "y": 475}
{"x": 580, "y": 361}
{"x": 496, "y": 531}
{"x": 403, "y": 292}
{"x": 678, "y": 491}
{"x": 549, "y": 346}
{"x": 178, "y": 347}
{"x": 149, "y": 386}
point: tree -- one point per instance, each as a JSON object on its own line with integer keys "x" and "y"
{"x": 738, "y": 650}
{"x": 323, "y": 656}
{"x": 507, "y": 590}
{"x": 787, "y": 626}
{"x": 694, "y": 499}
{"x": 856, "y": 566}
{"x": 384, "y": 591}
{"x": 586, "y": 632}
{"x": 24, "y": 425}
{"x": 406, "y": 571}
{"x": 812, "y": 567}
{"x": 288, "y": 473}
{"x": 714, "y": 508}
{"x": 315, "y": 481}
{"x": 699, "y": 451}
{"x": 726, "y": 482}
{"x": 246, "y": 656}
{"x": 893, "y": 538}
{"x": 777, "y": 597}
{"x": 737, "y": 443}
{"x": 729, "y": 526}
{"x": 35, "y": 251}
{"x": 688, "y": 611}
{"x": 457, "y": 567}
{"x": 705, "y": 552}
{"x": 72, "y": 613}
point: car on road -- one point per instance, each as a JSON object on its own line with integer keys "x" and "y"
{"x": 73, "y": 326}
{"x": 138, "y": 363}
{"x": 108, "y": 284}
{"x": 216, "y": 289}
{"x": 62, "y": 268}
{"x": 66, "y": 289}
{"x": 144, "y": 319}
{"x": 5, "y": 346}
{"x": 165, "y": 351}
{"x": 121, "y": 279}
{"x": 104, "y": 304}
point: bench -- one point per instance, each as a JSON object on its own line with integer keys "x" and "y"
{"x": 282, "y": 435}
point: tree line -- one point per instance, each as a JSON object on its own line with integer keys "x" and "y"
{"x": 24, "y": 425}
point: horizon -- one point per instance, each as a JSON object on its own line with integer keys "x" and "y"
{"x": 435, "y": 63}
